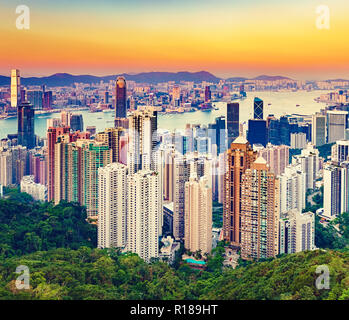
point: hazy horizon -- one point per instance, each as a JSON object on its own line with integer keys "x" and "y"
{"x": 249, "y": 76}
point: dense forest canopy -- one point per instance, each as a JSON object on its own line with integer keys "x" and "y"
{"x": 58, "y": 246}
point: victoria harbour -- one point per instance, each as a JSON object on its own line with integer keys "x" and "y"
{"x": 277, "y": 103}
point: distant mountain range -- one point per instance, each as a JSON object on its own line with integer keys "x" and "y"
{"x": 271, "y": 78}
{"x": 262, "y": 77}
{"x": 66, "y": 79}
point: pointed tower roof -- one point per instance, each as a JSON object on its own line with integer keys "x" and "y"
{"x": 241, "y": 140}
{"x": 260, "y": 160}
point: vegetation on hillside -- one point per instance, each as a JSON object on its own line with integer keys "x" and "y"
{"x": 106, "y": 274}
{"x": 58, "y": 246}
{"x": 27, "y": 226}
{"x": 217, "y": 214}
{"x": 324, "y": 151}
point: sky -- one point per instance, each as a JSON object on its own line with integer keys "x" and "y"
{"x": 226, "y": 37}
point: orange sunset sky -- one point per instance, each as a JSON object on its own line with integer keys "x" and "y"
{"x": 227, "y": 38}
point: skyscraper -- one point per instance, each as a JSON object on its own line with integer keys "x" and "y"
{"x": 292, "y": 189}
{"x": 169, "y": 155}
{"x": 257, "y": 132}
{"x": 26, "y": 129}
{"x": 207, "y": 94}
{"x": 276, "y": 156}
{"x": 15, "y": 88}
{"x": 67, "y": 170}
{"x": 240, "y": 156}
{"x": 106, "y": 97}
{"x": 35, "y": 98}
{"x": 77, "y": 122}
{"x": 284, "y": 131}
{"x": 94, "y": 156}
{"x": 296, "y": 232}
{"x": 65, "y": 118}
{"x": 273, "y": 130}
{"x": 336, "y": 189}
{"x": 340, "y": 151}
{"x": 47, "y": 100}
{"x": 144, "y": 210}
{"x": 38, "y": 164}
{"x": 112, "y": 138}
{"x": 183, "y": 168}
{"x": 298, "y": 140}
{"x": 258, "y": 108}
{"x": 198, "y": 215}
{"x": 120, "y": 98}
{"x": 181, "y": 174}
{"x": 68, "y": 166}
{"x": 318, "y": 129}
{"x": 217, "y": 134}
{"x": 52, "y": 134}
{"x": 112, "y": 206}
{"x": 142, "y": 140}
{"x": 232, "y": 122}
{"x": 36, "y": 190}
{"x": 336, "y": 125}
{"x": 259, "y": 215}
{"x": 13, "y": 165}
{"x": 309, "y": 164}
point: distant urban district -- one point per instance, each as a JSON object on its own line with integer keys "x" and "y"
{"x": 229, "y": 210}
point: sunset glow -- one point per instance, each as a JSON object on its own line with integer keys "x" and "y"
{"x": 227, "y": 38}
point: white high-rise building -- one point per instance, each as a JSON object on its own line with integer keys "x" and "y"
{"x": 336, "y": 189}
{"x": 13, "y": 165}
{"x": 296, "y": 232}
{"x": 221, "y": 174}
{"x": 158, "y": 163}
{"x": 298, "y": 140}
{"x": 65, "y": 118}
{"x": 276, "y": 156}
{"x": 292, "y": 189}
{"x": 183, "y": 167}
{"x": 198, "y": 215}
{"x": 340, "y": 151}
{"x": 309, "y": 164}
{"x": 15, "y": 88}
{"x": 54, "y": 122}
{"x": 6, "y": 168}
{"x": 144, "y": 210}
{"x": 336, "y": 125}
{"x": 142, "y": 140}
{"x": 112, "y": 206}
{"x": 215, "y": 177}
{"x": 36, "y": 190}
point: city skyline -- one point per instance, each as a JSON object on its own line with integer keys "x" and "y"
{"x": 227, "y": 38}
{"x": 178, "y": 150}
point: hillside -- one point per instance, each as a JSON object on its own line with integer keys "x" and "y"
{"x": 96, "y": 274}
{"x": 58, "y": 246}
{"x": 27, "y": 226}
{"x": 66, "y": 79}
